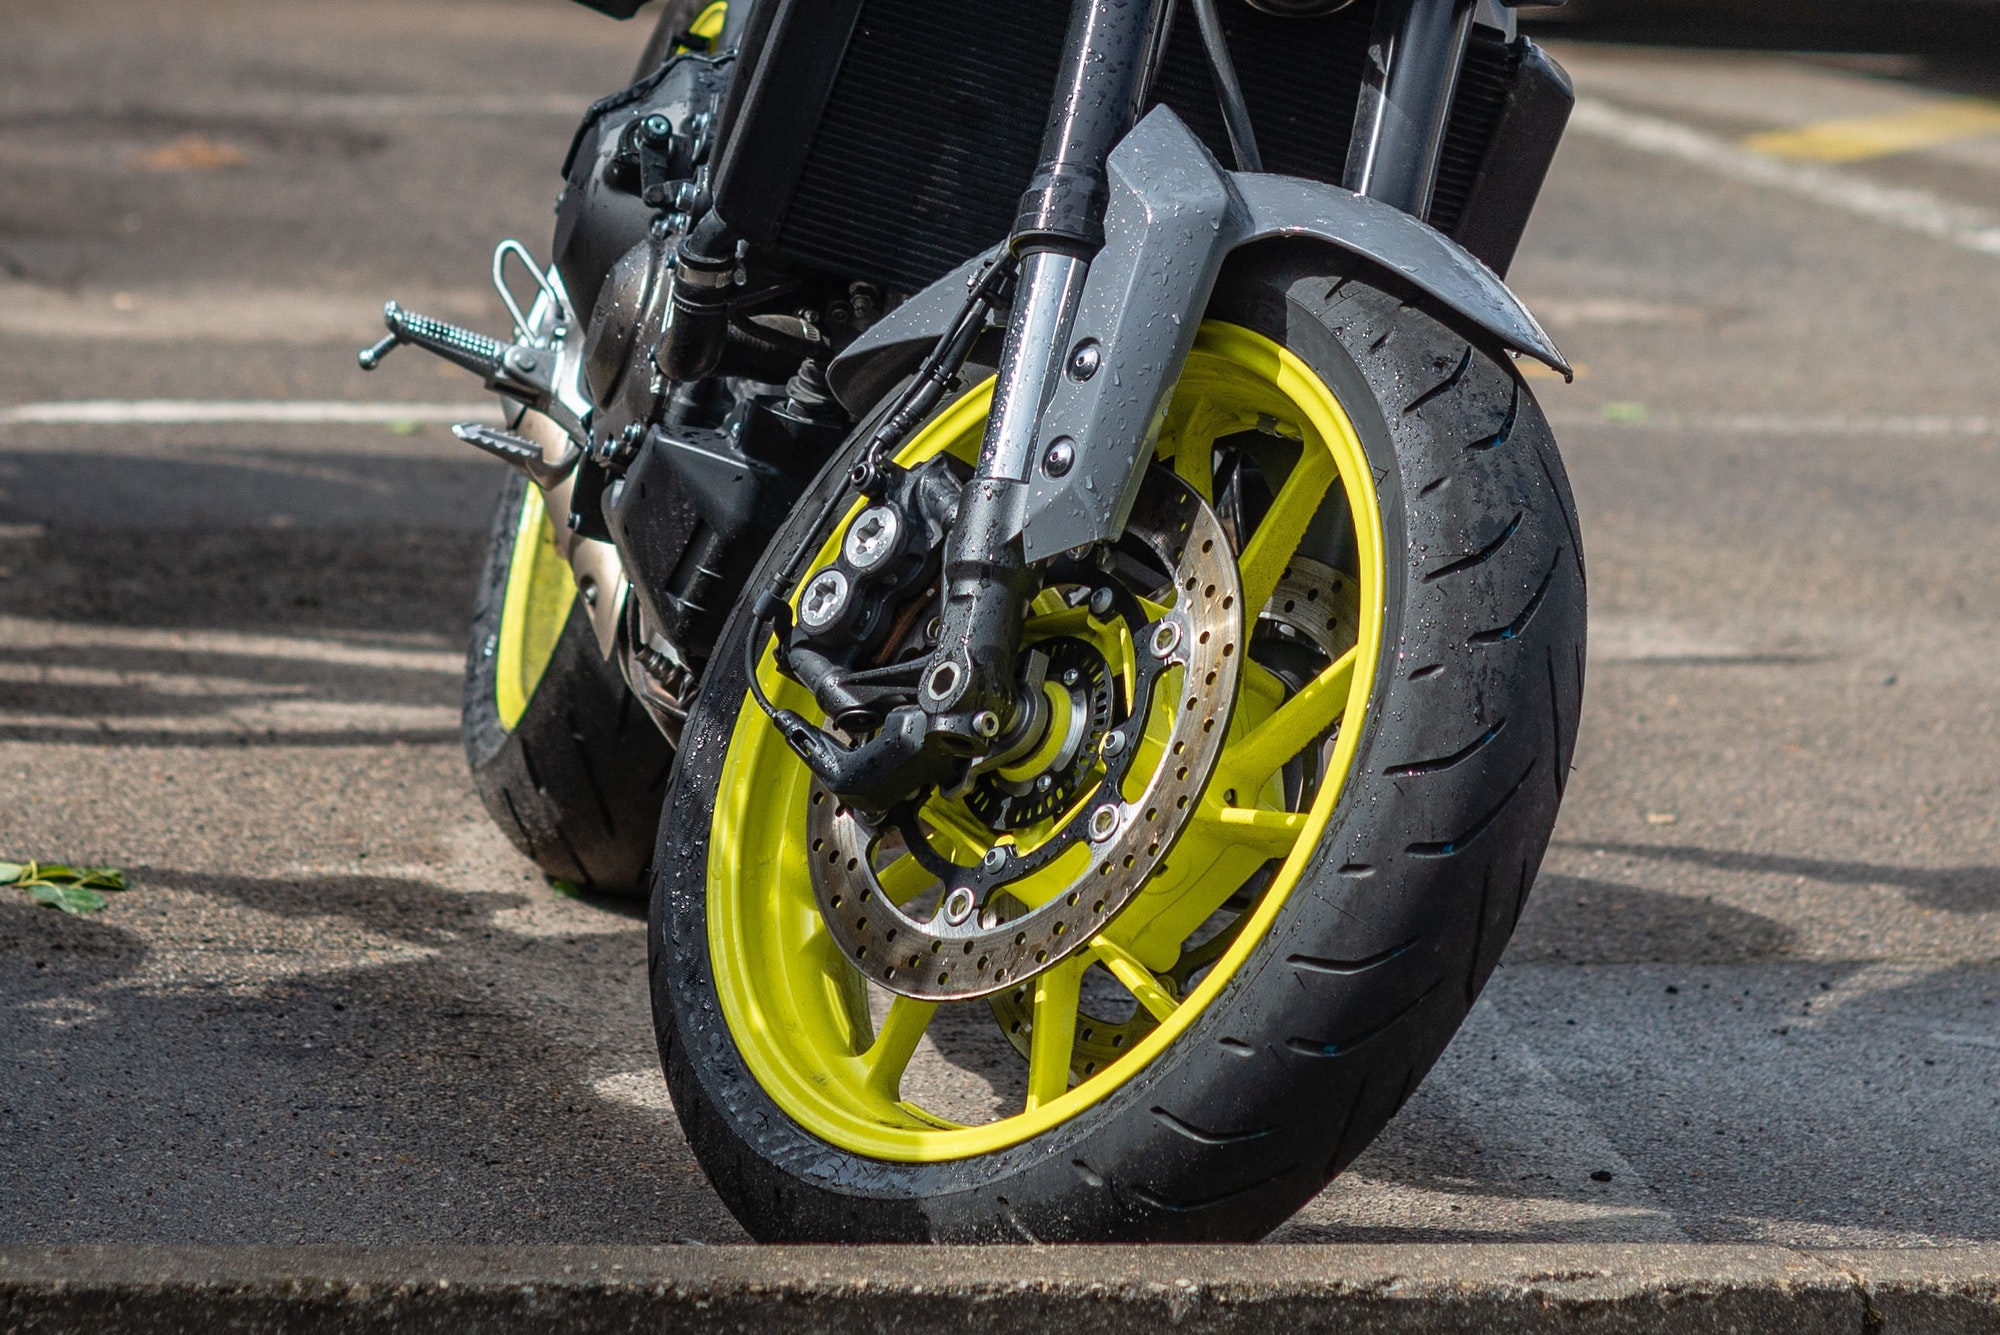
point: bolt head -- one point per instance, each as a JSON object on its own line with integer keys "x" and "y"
{"x": 995, "y": 859}
{"x": 1113, "y": 743}
{"x": 958, "y": 905}
{"x": 1083, "y": 362}
{"x": 873, "y": 537}
{"x": 657, "y": 128}
{"x": 1103, "y": 822}
{"x": 944, "y": 683}
{"x": 1060, "y": 457}
{"x": 1043, "y": 783}
{"x": 824, "y": 599}
{"x": 986, "y": 723}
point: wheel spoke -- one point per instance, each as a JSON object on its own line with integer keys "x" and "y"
{"x": 1048, "y": 625}
{"x": 1194, "y": 446}
{"x": 1277, "y": 536}
{"x": 895, "y": 1043}
{"x": 1054, "y": 1032}
{"x": 1272, "y": 833}
{"x": 958, "y": 828}
{"x": 1136, "y": 977}
{"x": 904, "y": 879}
{"x": 1260, "y": 753}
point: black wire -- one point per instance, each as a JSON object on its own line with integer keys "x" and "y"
{"x": 1235, "y": 111}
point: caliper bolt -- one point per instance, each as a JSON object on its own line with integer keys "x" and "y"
{"x": 1060, "y": 457}
{"x": 872, "y": 539}
{"x": 824, "y": 600}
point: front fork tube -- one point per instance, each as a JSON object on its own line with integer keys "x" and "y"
{"x": 1414, "y": 55}
{"x": 968, "y": 689}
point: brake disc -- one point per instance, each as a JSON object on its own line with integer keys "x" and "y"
{"x": 1314, "y": 604}
{"x": 979, "y": 932}
{"x": 1317, "y": 604}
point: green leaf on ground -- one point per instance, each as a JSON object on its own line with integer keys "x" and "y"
{"x": 562, "y": 887}
{"x": 68, "y": 898}
{"x": 60, "y": 886}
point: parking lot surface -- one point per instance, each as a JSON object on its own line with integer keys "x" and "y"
{"x": 1754, "y": 996}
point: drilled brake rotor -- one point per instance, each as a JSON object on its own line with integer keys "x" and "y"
{"x": 1314, "y": 604}
{"x": 972, "y": 940}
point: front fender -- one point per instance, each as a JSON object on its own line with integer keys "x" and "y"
{"x": 1174, "y": 215}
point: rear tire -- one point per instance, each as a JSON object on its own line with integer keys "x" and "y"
{"x": 1314, "y": 1033}
{"x": 577, "y": 780}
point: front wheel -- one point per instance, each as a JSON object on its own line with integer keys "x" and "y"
{"x": 1345, "y": 762}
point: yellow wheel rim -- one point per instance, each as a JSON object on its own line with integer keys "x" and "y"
{"x": 708, "y": 23}
{"x": 540, "y": 589}
{"x": 798, "y": 1011}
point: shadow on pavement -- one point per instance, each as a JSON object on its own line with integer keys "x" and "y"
{"x": 1952, "y": 889}
{"x": 331, "y": 1059}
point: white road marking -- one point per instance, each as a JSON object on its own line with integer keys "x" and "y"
{"x": 279, "y": 719}
{"x": 1911, "y": 209}
{"x": 320, "y": 106}
{"x": 159, "y": 683}
{"x": 222, "y": 313}
{"x": 130, "y": 412}
{"x": 18, "y": 633}
{"x": 1789, "y": 424}
{"x": 1967, "y": 1040}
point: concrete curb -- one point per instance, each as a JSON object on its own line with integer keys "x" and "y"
{"x": 970, "y": 1291}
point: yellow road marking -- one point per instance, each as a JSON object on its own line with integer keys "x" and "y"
{"x": 1859, "y": 137}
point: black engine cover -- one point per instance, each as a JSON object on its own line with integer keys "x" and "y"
{"x": 600, "y": 215}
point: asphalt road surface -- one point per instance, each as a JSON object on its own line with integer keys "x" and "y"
{"x": 1754, "y": 996}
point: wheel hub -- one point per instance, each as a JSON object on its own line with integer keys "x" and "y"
{"x": 1016, "y": 913}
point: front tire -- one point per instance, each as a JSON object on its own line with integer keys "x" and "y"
{"x": 1356, "y": 949}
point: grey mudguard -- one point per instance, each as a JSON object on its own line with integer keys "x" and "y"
{"x": 892, "y": 347}
{"x": 1174, "y": 216}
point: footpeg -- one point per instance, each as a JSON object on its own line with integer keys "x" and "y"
{"x": 512, "y": 368}
{"x": 519, "y": 370}
{"x": 520, "y": 453}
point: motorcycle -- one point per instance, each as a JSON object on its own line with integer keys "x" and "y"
{"x": 1028, "y": 540}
